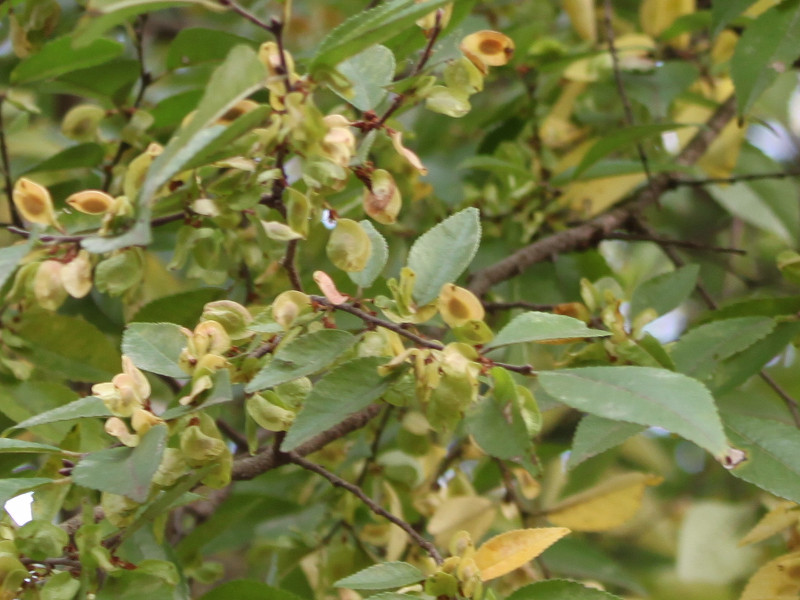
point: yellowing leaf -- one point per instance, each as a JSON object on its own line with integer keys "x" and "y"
{"x": 779, "y": 518}
{"x": 508, "y": 551}
{"x": 604, "y": 506}
{"x": 779, "y": 579}
{"x": 470, "y": 513}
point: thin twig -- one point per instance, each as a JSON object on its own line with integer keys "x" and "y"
{"x": 400, "y": 330}
{"x": 243, "y": 12}
{"x": 594, "y": 230}
{"x": 249, "y": 467}
{"x": 623, "y": 96}
{"x": 290, "y": 265}
{"x": 376, "y": 442}
{"x": 369, "y": 502}
{"x": 233, "y": 434}
{"x": 426, "y": 55}
{"x": 6, "y": 163}
{"x": 78, "y": 237}
{"x": 790, "y": 402}
{"x": 370, "y": 318}
{"x": 145, "y": 79}
{"x": 678, "y": 181}
{"x": 661, "y": 241}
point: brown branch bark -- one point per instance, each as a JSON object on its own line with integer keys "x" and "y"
{"x": 596, "y": 229}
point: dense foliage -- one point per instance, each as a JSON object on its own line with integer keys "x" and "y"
{"x": 401, "y": 299}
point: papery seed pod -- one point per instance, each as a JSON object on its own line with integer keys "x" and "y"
{"x": 289, "y": 305}
{"x": 461, "y": 544}
{"x": 428, "y": 22}
{"x": 34, "y": 203}
{"x": 234, "y": 317}
{"x": 487, "y": 49}
{"x": 269, "y": 55}
{"x": 117, "y": 428}
{"x": 268, "y": 415}
{"x": 237, "y": 110}
{"x": 127, "y": 400}
{"x": 383, "y": 201}
{"x": 143, "y": 420}
{"x": 209, "y": 337}
{"x": 82, "y": 122}
{"x": 463, "y": 76}
{"x": 119, "y": 510}
{"x": 445, "y": 101}
{"x": 349, "y": 246}
{"x": 298, "y": 211}
{"x": 582, "y": 15}
{"x": 280, "y": 232}
{"x": 47, "y": 286}
{"x": 410, "y": 156}
{"x": 172, "y": 467}
{"x": 137, "y": 378}
{"x": 199, "y": 448}
{"x": 136, "y": 172}
{"x": 458, "y": 305}
{"x": 76, "y": 275}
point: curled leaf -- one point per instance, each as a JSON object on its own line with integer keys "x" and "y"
{"x": 328, "y": 287}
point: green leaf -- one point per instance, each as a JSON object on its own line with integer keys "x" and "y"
{"x": 698, "y": 352}
{"x": 559, "y": 589}
{"x": 60, "y": 56}
{"x": 124, "y": 471}
{"x": 369, "y": 73}
{"x": 110, "y": 13}
{"x": 68, "y": 346}
{"x": 382, "y": 576}
{"x": 8, "y": 446}
{"x": 737, "y": 369}
{"x": 183, "y": 308}
{"x": 345, "y": 390}
{"x": 113, "y": 80}
{"x": 32, "y": 398}
{"x": 244, "y": 589}
{"x": 14, "y": 487}
{"x": 377, "y": 260}
{"x": 88, "y": 155}
{"x": 304, "y": 355}
{"x": 155, "y": 347}
{"x": 767, "y": 48}
{"x": 582, "y": 559}
{"x": 596, "y": 434}
{"x": 241, "y": 74}
{"x": 643, "y": 395}
{"x": 10, "y": 257}
{"x": 539, "y": 326}
{"x": 743, "y": 201}
{"x": 198, "y": 44}
{"x": 370, "y": 27}
{"x": 666, "y": 291}
{"x": 751, "y": 307}
{"x": 725, "y": 11}
{"x": 621, "y": 139}
{"x": 89, "y": 406}
{"x": 488, "y": 420}
{"x": 772, "y": 449}
{"x": 442, "y": 253}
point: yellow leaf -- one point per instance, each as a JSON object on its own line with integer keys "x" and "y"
{"x": 604, "y": 506}
{"x": 779, "y": 518}
{"x": 779, "y": 579}
{"x": 508, "y": 551}
{"x": 470, "y": 513}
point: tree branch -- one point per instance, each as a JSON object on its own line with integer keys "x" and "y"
{"x": 6, "y": 163}
{"x": 369, "y": 502}
{"x": 594, "y": 230}
{"x": 250, "y": 467}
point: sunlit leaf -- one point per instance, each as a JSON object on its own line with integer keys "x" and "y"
{"x": 776, "y": 580}
{"x": 382, "y": 576}
{"x": 512, "y": 549}
{"x": 780, "y": 518}
{"x": 543, "y": 327}
{"x": 604, "y": 506}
